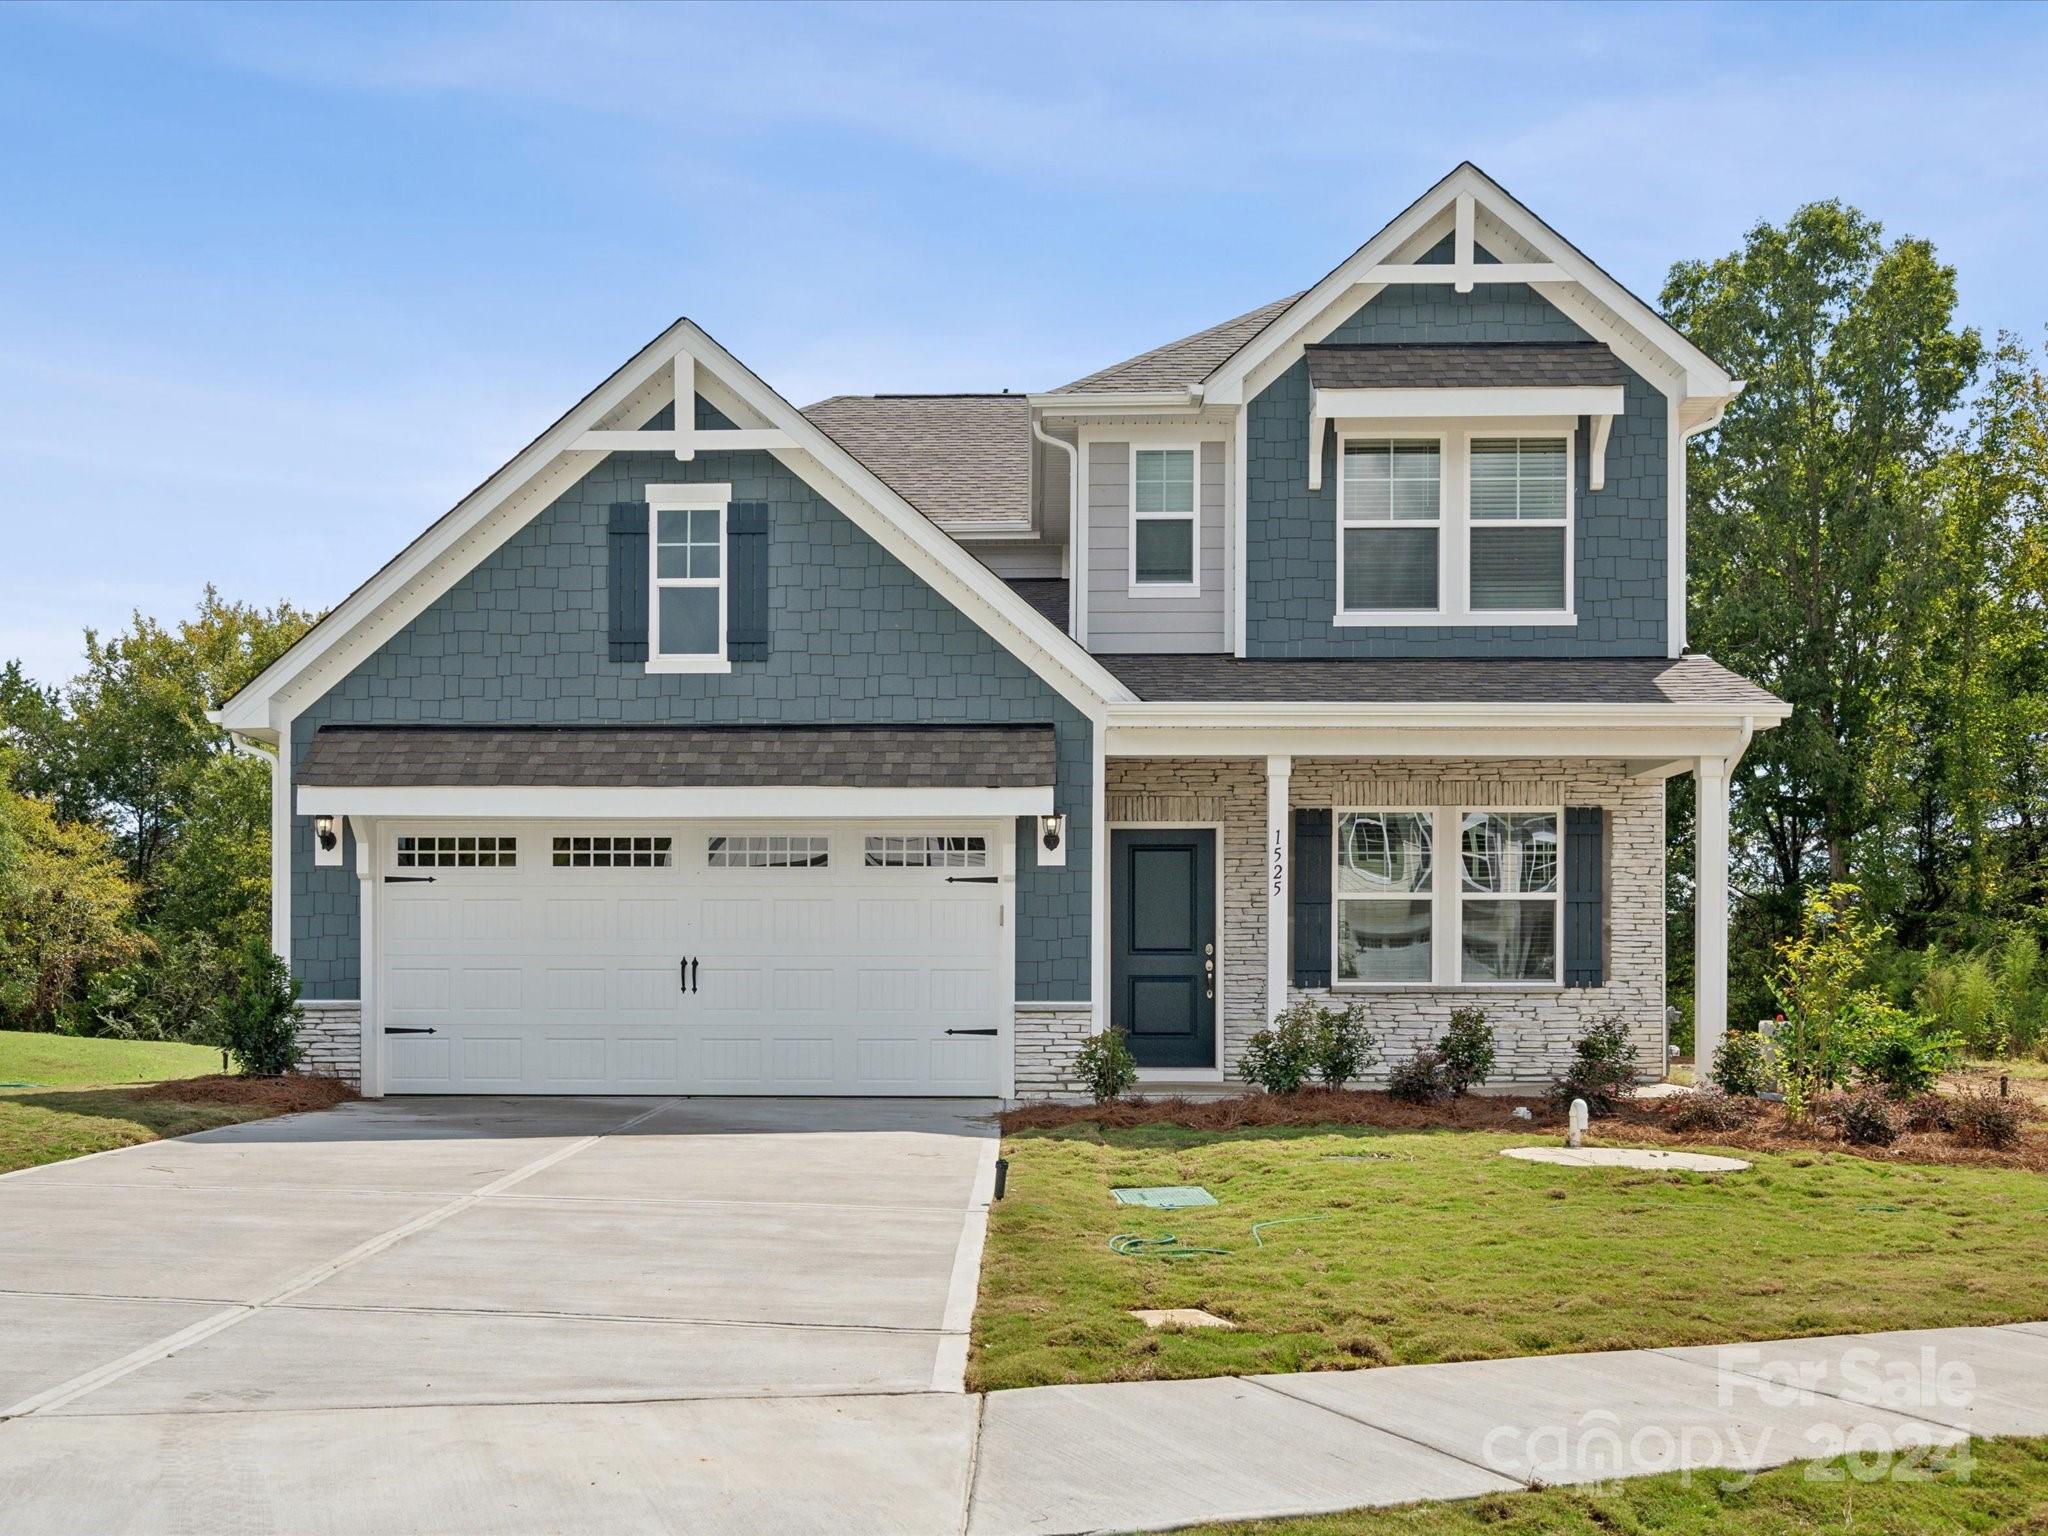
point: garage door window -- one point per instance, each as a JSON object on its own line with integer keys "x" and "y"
{"x": 457, "y": 851}
{"x": 768, "y": 851}
{"x": 602, "y": 852}
{"x": 927, "y": 852}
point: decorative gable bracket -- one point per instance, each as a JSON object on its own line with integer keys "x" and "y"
{"x": 686, "y": 438}
{"x": 1599, "y": 404}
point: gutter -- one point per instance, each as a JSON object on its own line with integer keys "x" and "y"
{"x": 1073, "y": 500}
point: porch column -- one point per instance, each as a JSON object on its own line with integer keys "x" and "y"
{"x": 1279, "y": 773}
{"x": 1710, "y": 914}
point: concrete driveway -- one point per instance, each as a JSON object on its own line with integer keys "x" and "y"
{"x": 423, "y": 1254}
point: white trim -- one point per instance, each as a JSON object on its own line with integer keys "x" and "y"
{"x": 549, "y": 466}
{"x": 1441, "y": 523}
{"x": 1563, "y": 266}
{"x": 666, "y": 497}
{"x": 1675, "y": 524}
{"x": 1710, "y": 909}
{"x": 281, "y": 844}
{"x": 1447, "y": 898}
{"x": 1192, "y": 587}
{"x": 1240, "y": 530}
{"x": 553, "y": 802}
{"x": 1077, "y": 539}
{"x": 1216, "y": 831}
{"x": 1098, "y": 876}
{"x": 1279, "y": 926}
{"x": 369, "y": 957}
{"x": 1404, "y": 404}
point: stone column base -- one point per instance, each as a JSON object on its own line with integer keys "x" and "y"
{"x": 331, "y": 1041}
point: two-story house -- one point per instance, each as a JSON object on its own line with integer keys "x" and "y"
{"x": 894, "y": 745}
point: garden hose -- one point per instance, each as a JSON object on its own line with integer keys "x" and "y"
{"x": 1260, "y": 1226}
{"x": 1132, "y": 1246}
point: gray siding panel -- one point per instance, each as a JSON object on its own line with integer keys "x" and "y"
{"x": 855, "y": 637}
{"x": 1619, "y": 555}
{"x": 1120, "y": 622}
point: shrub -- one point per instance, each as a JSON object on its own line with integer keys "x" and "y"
{"x": 1929, "y": 1112}
{"x": 1711, "y": 1109}
{"x": 1742, "y": 1066}
{"x": 259, "y": 1018}
{"x": 172, "y": 992}
{"x": 1343, "y": 1046}
{"x": 1281, "y": 1058}
{"x": 1106, "y": 1066}
{"x": 1467, "y": 1051}
{"x": 1865, "y": 1118}
{"x": 1602, "y": 1069}
{"x": 1961, "y": 995}
{"x": 1983, "y": 1119}
{"x": 1817, "y": 984}
{"x": 1422, "y": 1079}
{"x": 1900, "y": 1052}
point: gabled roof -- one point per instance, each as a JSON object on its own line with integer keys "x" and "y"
{"x": 1181, "y": 363}
{"x": 964, "y": 461}
{"x": 482, "y": 521}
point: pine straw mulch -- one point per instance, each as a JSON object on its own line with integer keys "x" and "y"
{"x": 273, "y": 1095}
{"x": 1645, "y": 1122}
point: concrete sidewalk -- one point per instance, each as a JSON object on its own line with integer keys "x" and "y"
{"x": 1118, "y": 1457}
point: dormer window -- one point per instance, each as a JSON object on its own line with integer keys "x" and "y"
{"x": 1521, "y": 503}
{"x": 1164, "y": 535}
{"x": 1390, "y": 506}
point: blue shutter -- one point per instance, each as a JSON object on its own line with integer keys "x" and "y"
{"x": 1311, "y": 899}
{"x": 626, "y": 630}
{"x": 746, "y": 602}
{"x": 1585, "y": 896}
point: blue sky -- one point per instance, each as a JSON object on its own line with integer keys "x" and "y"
{"x": 277, "y": 285}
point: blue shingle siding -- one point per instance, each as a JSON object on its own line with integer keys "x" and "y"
{"x": 854, "y": 636}
{"x": 1619, "y": 570}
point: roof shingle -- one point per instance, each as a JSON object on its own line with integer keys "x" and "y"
{"x": 681, "y": 756}
{"x": 1179, "y": 363}
{"x": 964, "y": 461}
{"x": 1493, "y": 365}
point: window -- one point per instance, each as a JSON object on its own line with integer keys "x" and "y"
{"x": 1520, "y": 499}
{"x": 927, "y": 852}
{"x": 1385, "y": 896}
{"x": 1163, "y": 536}
{"x": 1390, "y": 512}
{"x": 1508, "y": 896}
{"x": 457, "y": 851}
{"x": 605, "y": 852}
{"x": 770, "y": 851}
{"x": 687, "y": 614}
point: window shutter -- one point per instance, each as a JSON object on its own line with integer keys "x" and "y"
{"x": 626, "y": 632}
{"x": 1311, "y": 893}
{"x": 746, "y": 603}
{"x": 1585, "y": 896}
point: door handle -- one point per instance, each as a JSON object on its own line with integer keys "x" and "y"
{"x": 693, "y": 976}
{"x": 970, "y": 1031}
{"x": 682, "y": 975}
{"x": 400, "y": 1029}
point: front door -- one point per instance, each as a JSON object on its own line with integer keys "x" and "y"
{"x": 1163, "y": 957}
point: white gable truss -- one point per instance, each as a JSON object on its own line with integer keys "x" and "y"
{"x": 682, "y": 361}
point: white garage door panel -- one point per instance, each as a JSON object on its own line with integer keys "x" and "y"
{"x": 835, "y": 980}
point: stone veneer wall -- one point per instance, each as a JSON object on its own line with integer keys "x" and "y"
{"x": 1046, "y": 1039}
{"x": 1535, "y": 1027}
{"x": 331, "y": 1040}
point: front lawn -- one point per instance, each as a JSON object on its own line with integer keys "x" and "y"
{"x": 162, "y": 1092}
{"x": 1434, "y": 1247}
{"x": 2002, "y": 1486}
{"x": 67, "y": 1061}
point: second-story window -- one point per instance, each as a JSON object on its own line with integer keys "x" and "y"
{"x": 1520, "y": 498}
{"x": 1390, "y": 506}
{"x": 687, "y": 613}
{"x": 1164, "y": 538}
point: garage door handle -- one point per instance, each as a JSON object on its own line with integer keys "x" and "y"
{"x": 408, "y": 879}
{"x": 971, "y": 1031}
{"x": 686, "y": 975}
{"x": 970, "y": 879}
{"x": 393, "y": 1029}
{"x": 693, "y": 975}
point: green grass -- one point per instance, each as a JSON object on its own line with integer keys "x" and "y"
{"x": 2000, "y": 1486}
{"x": 1437, "y": 1248}
{"x": 66, "y": 1061}
{"x": 76, "y": 1107}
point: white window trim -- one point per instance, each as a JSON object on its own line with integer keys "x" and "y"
{"x": 1436, "y": 906}
{"x": 1454, "y": 507}
{"x": 668, "y": 497}
{"x": 1192, "y": 517}
{"x": 1447, "y": 915}
{"x": 1444, "y": 489}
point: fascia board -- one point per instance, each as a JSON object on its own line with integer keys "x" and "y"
{"x": 679, "y": 803}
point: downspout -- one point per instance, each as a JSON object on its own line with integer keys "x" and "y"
{"x": 1073, "y": 508}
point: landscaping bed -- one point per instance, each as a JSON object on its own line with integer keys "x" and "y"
{"x": 2002, "y": 1488}
{"x": 1428, "y": 1245}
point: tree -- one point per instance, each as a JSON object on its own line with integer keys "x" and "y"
{"x": 65, "y": 909}
{"x": 1810, "y": 519}
{"x": 216, "y": 878}
{"x": 140, "y": 741}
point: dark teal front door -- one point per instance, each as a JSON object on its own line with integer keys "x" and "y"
{"x": 1162, "y": 965}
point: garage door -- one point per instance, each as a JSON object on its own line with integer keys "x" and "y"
{"x": 833, "y": 959}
